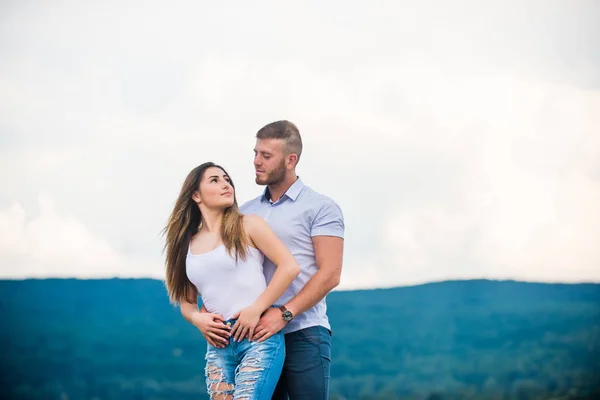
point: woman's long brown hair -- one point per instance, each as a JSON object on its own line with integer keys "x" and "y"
{"x": 184, "y": 222}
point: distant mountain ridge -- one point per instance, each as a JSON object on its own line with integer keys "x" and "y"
{"x": 480, "y": 339}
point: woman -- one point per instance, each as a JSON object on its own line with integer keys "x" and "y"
{"x": 212, "y": 250}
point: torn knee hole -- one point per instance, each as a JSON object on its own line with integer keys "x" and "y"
{"x": 221, "y": 387}
{"x": 221, "y": 396}
{"x": 215, "y": 376}
{"x": 250, "y": 369}
{"x": 217, "y": 391}
{"x": 214, "y": 373}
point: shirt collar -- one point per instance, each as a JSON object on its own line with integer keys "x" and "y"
{"x": 293, "y": 191}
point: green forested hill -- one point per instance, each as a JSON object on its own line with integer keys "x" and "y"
{"x": 120, "y": 339}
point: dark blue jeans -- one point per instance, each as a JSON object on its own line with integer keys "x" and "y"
{"x": 305, "y": 374}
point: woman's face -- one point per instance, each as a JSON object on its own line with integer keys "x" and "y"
{"x": 215, "y": 190}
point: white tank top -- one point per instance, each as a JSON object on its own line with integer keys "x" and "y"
{"x": 225, "y": 286}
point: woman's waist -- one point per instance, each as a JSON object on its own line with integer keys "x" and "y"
{"x": 228, "y": 309}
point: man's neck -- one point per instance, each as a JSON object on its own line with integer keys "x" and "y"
{"x": 276, "y": 191}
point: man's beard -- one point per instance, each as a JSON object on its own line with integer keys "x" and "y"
{"x": 274, "y": 177}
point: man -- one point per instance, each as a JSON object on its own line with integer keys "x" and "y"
{"x": 312, "y": 227}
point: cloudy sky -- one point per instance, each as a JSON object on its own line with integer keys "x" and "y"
{"x": 461, "y": 139}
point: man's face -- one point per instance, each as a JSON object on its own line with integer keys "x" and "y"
{"x": 269, "y": 161}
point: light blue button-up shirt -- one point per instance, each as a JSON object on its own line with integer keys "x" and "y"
{"x": 296, "y": 217}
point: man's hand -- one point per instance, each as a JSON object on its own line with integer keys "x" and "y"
{"x": 269, "y": 324}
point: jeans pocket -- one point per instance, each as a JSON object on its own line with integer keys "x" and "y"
{"x": 312, "y": 335}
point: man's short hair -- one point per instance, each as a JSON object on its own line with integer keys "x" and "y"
{"x": 285, "y": 130}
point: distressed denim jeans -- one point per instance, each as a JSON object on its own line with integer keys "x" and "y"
{"x": 245, "y": 370}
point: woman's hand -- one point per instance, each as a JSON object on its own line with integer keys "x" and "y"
{"x": 247, "y": 319}
{"x": 212, "y": 327}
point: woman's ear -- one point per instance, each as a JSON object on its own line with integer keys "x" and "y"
{"x": 196, "y": 197}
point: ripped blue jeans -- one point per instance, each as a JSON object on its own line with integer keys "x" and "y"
{"x": 245, "y": 370}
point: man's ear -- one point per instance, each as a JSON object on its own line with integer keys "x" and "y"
{"x": 292, "y": 160}
{"x": 196, "y": 197}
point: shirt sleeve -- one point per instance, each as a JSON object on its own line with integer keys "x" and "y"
{"x": 329, "y": 221}
{"x": 244, "y": 207}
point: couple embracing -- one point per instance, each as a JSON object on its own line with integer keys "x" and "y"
{"x": 262, "y": 272}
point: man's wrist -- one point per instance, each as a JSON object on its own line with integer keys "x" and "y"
{"x": 286, "y": 314}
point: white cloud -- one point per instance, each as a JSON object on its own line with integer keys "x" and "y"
{"x": 54, "y": 245}
{"x": 459, "y": 144}
{"x": 524, "y": 197}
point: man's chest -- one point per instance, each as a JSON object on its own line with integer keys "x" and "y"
{"x": 292, "y": 225}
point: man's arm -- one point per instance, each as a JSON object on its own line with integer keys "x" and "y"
{"x": 328, "y": 255}
{"x": 327, "y": 232}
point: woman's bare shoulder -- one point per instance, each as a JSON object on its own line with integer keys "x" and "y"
{"x": 254, "y": 223}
